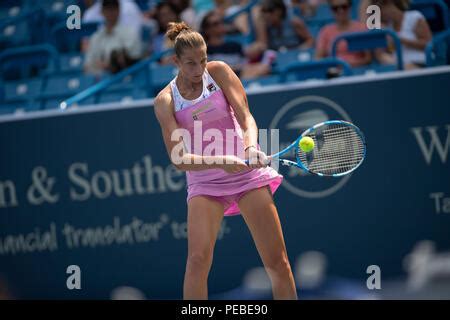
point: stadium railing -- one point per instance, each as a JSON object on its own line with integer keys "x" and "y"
{"x": 437, "y": 50}
{"x": 369, "y": 40}
{"x": 104, "y": 84}
{"x": 319, "y": 69}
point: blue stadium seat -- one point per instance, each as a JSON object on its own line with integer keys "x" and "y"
{"x": 14, "y": 33}
{"x": 322, "y": 17}
{"x": 298, "y": 71}
{"x": 369, "y": 40}
{"x": 66, "y": 84}
{"x": 56, "y": 7}
{"x": 66, "y": 40}
{"x": 122, "y": 96}
{"x": 24, "y": 89}
{"x": 55, "y": 13}
{"x": 10, "y": 10}
{"x": 55, "y": 101}
{"x": 139, "y": 79}
{"x": 71, "y": 62}
{"x": 287, "y": 57}
{"x": 438, "y": 49}
{"x": 26, "y": 62}
{"x": 161, "y": 76}
{"x": 261, "y": 81}
{"x": 27, "y": 27}
{"x": 435, "y": 11}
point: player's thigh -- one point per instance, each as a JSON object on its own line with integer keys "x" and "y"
{"x": 261, "y": 216}
{"x": 204, "y": 220}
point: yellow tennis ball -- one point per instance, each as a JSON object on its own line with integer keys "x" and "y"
{"x": 306, "y": 144}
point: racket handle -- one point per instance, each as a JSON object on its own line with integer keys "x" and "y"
{"x": 270, "y": 160}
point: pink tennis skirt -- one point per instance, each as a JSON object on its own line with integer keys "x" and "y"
{"x": 229, "y": 189}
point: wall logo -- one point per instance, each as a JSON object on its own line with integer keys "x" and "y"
{"x": 292, "y": 119}
{"x": 433, "y": 140}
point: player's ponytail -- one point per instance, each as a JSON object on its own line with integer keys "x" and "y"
{"x": 183, "y": 37}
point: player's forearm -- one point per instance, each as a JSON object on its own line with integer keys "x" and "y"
{"x": 250, "y": 131}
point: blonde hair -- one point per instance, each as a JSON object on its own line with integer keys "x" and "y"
{"x": 183, "y": 37}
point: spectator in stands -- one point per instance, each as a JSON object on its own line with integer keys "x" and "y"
{"x": 228, "y": 7}
{"x": 186, "y": 12}
{"x": 342, "y": 13}
{"x": 362, "y": 10}
{"x": 165, "y": 12}
{"x": 213, "y": 30}
{"x": 304, "y": 8}
{"x": 86, "y": 4}
{"x": 183, "y": 8}
{"x": 283, "y": 31}
{"x": 114, "y": 46}
{"x": 412, "y": 29}
{"x": 130, "y": 14}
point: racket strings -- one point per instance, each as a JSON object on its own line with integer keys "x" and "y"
{"x": 338, "y": 149}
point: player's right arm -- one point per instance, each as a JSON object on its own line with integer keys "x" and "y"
{"x": 179, "y": 156}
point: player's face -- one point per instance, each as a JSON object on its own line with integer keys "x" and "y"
{"x": 192, "y": 63}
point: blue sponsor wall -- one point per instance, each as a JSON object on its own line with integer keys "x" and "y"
{"x": 96, "y": 189}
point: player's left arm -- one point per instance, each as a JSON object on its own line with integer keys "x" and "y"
{"x": 236, "y": 96}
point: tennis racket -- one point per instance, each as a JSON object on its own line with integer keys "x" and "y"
{"x": 339, "y": 148}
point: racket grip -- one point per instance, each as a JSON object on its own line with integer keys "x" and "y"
{"x": 268, "y": 163}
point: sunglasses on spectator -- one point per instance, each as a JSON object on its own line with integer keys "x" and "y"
{"x": 342, "y": 6}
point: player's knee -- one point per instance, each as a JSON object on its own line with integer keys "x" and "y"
{"x": 199, "y": 261}
{"x": 278, "y": 265}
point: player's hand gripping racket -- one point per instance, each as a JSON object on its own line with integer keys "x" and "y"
{"x": 339, "y": 148}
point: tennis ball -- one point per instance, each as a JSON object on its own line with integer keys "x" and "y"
{"x": 306, "y": 144}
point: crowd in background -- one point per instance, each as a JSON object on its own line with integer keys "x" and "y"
{"x": 279, "y": 25}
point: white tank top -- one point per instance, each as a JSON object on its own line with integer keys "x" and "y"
{"x": 209, "y": 87}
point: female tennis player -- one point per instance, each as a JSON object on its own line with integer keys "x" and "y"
{"x": 221, "y": 183}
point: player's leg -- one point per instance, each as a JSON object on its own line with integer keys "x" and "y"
{"x": 204, "y": 219}
{"x": 260, "y": 214}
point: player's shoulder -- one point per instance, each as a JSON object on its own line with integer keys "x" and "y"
{"x": 217, "y": 67}
{"x": 164, "y": 97}
{"x": 219, "y": 70}
{"x": 163, "y": 101}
